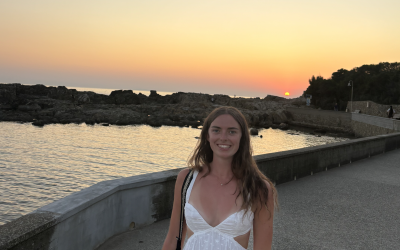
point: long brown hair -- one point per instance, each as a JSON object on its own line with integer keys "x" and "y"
{"x": 251, "y": 181}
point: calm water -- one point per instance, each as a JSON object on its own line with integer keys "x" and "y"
{"x": 40, "y": 165}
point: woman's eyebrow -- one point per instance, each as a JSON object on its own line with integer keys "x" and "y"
{"x": 228, "y": 128}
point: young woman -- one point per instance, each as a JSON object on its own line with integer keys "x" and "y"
{"x": 228, "y": 196}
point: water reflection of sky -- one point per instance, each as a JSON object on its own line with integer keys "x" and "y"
{"x": 40, "y": 165}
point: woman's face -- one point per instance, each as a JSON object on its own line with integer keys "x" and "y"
{"x": 224, "y": 136}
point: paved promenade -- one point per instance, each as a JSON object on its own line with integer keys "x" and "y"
{"x": 356, "y": 206}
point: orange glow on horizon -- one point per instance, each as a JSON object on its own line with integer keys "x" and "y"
{"x": 194, "y": 44}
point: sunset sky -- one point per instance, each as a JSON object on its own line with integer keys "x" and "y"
{"x": 245, "y": 48}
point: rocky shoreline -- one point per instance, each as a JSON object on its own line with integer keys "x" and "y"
{"x": 43, "y": 105}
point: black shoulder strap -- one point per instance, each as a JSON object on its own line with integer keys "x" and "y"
{"x": 185, "y": 186}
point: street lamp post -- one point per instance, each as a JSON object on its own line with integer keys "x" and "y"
{"x": 351, "y": 104}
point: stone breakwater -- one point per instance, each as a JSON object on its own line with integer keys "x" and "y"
{"x": 43, "y": 105}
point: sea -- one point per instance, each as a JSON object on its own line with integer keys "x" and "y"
{"x": 39, "y": 165}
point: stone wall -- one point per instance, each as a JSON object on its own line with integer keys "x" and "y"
{"x": 368, "y": 125}
{"x": 86, "y": 219}
{"x": 364, "y": 130}
{"x": 372, "y": 108}
{"x": 325, "y": 119}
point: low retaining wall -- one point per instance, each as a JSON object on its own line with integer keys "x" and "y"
{"x": 290, "y": 165}
{"x": 372, "y": 108}
{"x": 361, "y": 125}
{"x": 368, "y": 125}
{"x": 326, "y": 119}
{"x": 86, "y": 219}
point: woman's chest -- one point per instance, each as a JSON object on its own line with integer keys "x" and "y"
{"x": 215, "y": 203}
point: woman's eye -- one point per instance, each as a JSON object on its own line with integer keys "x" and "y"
{"x": 215, "y": 130}
{"x": 232, "y": 132}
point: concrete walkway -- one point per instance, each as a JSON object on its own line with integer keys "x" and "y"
{"x": 356, "y": 206}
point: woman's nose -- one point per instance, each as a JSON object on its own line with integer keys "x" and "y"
{"x": 223, "y": 136}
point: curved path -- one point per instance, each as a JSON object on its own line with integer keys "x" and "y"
{"x": 351, "y": 207}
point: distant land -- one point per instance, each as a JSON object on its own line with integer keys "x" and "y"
{"x": 43, "y": 105}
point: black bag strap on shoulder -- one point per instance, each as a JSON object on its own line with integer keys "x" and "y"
{"x": 185, "y": 186}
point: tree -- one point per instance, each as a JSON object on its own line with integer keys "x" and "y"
{"x": 379, "y": 83}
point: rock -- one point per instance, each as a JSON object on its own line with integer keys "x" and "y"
{"x": 274, "y": 126}
{"x": 45, "y": 113}
{"x": 193, "y": 124}
{"x": 283, "y": 126}
{"x": 261, "y": 136}
{"x": 30, "y": 107}
{"x": 320, "y": 130}
{"x": 6, "y": 107}
{"x": 38, "y": 123}
{"x": 121, "y": 122}
{"x": 191, "y": 117}
{"x": 8, "y": 93}
{"x": 153, "y": 93}
{"x": 123, "y": 97}
{"x": 59, "y": 104}
{"x": 89, "y": 122}
{"x": 266, "y": 126}
{"x": 253, "y": 131}
{"x": 64, "y": 121}
{"x": 83, "y": 99}
{"x": 154, "y": 121}
{"x": 274, "y": 98}
{"x": 77, "y": 121}
{"x": 98, "y": 117}
{"x": 300, "y": 101}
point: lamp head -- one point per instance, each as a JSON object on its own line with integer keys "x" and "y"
{"x": 350, "y": 83}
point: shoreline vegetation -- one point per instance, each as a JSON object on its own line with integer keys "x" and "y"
{"x": 379, "y": 83}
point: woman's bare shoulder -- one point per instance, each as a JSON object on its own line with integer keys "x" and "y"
{"x": 268, "y": 184}
{"x": 182, "y": 175}
{"x": 265, "y": 191}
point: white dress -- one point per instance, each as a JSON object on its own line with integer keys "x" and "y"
{"x": 221, "y": 237}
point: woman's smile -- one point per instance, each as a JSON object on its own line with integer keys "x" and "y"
{"x": 224, "y": 146}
